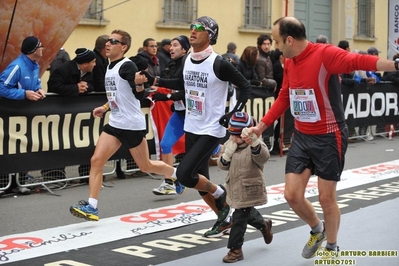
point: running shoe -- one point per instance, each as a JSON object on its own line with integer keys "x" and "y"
{"x": 84, "y": 210}
{"x": 223, "y": 208}
{"x": 180, "y": 189}
{"x": 330, "y": 255}
{"x": 313, "y": 244}
{"x": 219, "y": 229}
{"x": 165, "y": 189}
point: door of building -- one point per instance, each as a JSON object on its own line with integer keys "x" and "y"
{"x": 316, "y": 15}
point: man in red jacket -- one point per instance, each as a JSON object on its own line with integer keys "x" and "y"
{"x": 311, "y": 89}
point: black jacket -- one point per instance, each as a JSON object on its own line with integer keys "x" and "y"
{"x": 247, "y": 71}
{"x": 64, "y": 80}
{"x": 174, "y": 70}
{"x": 391, "y": 76}
{"x": 154, "y": 70}
{"x": 164, "y": 59}
{"x": 99, "y": 72}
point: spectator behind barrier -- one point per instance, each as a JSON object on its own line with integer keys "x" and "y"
{"x": 264, "y": 66}
{"x": 73, "y": 78}
{"x": 61, "y": 57}
{"x": 101, "y": 63}
{"x": 149, "y": 53}
{"x": 230, "y": 55}
{"x": 392, "y": 76}
{"x": 322, "y": 39}
{"x": 247, "y": 64}
{"x": 20, "y": 80}
{"x": 163, "y": 54}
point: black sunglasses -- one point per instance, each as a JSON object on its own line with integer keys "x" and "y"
{"x": 114, "y": 41}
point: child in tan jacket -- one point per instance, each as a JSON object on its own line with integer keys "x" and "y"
{"x": 245, "y": 184}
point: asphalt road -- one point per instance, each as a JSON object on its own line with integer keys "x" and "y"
{"x": 40, "y": 211}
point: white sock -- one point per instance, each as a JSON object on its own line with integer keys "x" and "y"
{"x": 93, "y": 202}
{"x": 174, "y": 173}
{"x": 219, "y": 192}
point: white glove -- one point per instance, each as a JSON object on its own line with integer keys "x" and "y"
{"x": 255, "y": 139}
{"x": 229, "y": 150}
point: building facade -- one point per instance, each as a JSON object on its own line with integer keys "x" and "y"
{"x": 361, "y": 22}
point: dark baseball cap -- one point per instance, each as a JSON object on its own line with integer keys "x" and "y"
{"x": 373, "y": 50}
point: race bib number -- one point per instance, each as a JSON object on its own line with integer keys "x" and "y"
{"x": 304, "y": 106}
{"x": 111, "y": 96}
{"x": 196, "y": 105}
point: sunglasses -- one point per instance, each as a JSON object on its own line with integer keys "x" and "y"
{"x": 114, "y": 41}
{"x": 197, "y": 27}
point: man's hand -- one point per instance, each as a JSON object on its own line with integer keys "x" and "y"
{"x": 229, "y": 150}
{"x": 82, "y": 86}
{"x": 140, "y": 78}
{"x": 42, "y": 93}
{"x": 99, "y": 111}
{"x": 255, "y": 141}
{"x": 34, "y": 95}
{"x": 250, "y": 134}
{"x": 150, "y": 78}
{"x": 159, "y": 97}
{"x": 224, "y": 120}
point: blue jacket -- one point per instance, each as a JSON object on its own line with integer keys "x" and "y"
{"x": 20, "y": 75}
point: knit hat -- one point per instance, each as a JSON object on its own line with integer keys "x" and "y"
{"x": 238, "y": 121}
{"x": 184, "y": 42}
{"x": 30, "y": 45}
{"x": 211, "y": 26}
{"x": 84, "y": 55}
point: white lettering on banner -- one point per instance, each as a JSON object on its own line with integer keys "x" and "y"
{"x": 47, "y": 133}
{"x": 387, "y": 101}
{"x": 258, "y": 107}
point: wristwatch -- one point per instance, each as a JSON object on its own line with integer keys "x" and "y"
{"x": 168, "y": 95}
{"x": 397, "y": 63}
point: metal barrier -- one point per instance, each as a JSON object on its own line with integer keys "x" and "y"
{"x": 5, "y": 181}
{"x": 58, "y": 179}
{"x": 130, "y": 166}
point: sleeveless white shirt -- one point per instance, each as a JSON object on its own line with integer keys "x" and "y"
{"x": 205, "y": 98}
{"x": 125, "y": 108}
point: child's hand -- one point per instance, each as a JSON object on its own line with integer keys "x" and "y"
{"x": 229, "y": 150}
{"x": 255, "y": 141}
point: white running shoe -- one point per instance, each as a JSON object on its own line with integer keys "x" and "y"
{"x": 165, "y": 189}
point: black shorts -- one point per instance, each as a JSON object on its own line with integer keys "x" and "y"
{"x": 128, "y": 138}
{"x": 323, "y": 154}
